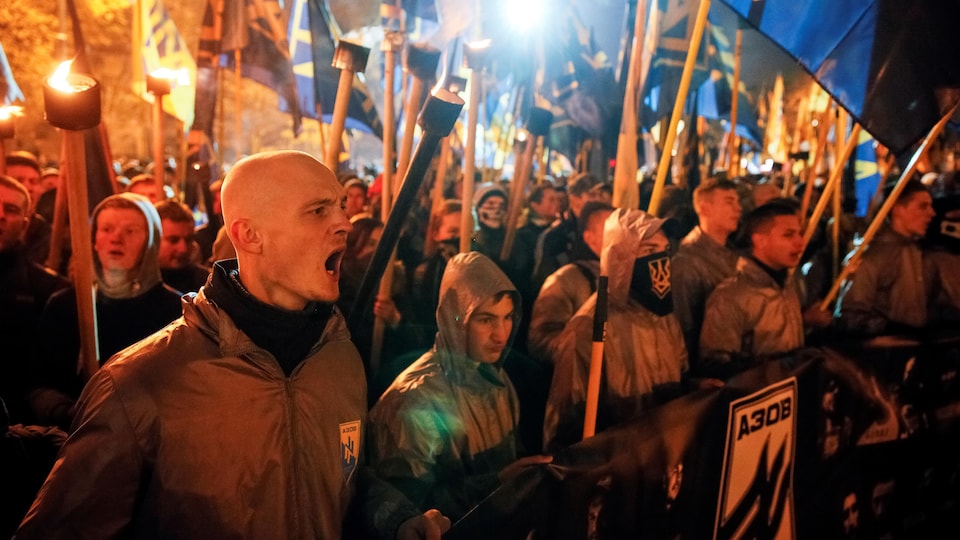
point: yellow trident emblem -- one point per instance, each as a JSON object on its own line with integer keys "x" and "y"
{"x": 660, "y": 276}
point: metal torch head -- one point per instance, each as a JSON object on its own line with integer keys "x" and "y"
{"x": 440, "y": 112}
{"x": 350, "y": 56}
{"x": 421, "y": 61}
{"x": 539, "y": 121}
{"x": 476, "y": 54}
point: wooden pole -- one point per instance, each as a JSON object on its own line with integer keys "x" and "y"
{"x": 678, "y": 105}
{"x": 799, "y": 134}
{"x": 475, "y": 57}
{"x": 733, "y": 150}
{"x": 832, "y": 184}
{"x": 842, "y": 157}
{"x": 82, "y": 246}
{"x": 159, "y": 170}
{"x": 421, "y": 62}
{"x": 824, "y": 129}
{"x": 238, "y": 103}
{"x": 538, "y": 125}
{"x": 55, "y": 252}
{"x": 887, "y": 205}
{"x": 391, "y": 44}
{"x": 596, "y": 359}
{"x": 350, "y": 58}
{"x": 626, "y": 193}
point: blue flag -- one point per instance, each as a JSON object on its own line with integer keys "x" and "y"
{"x": 313, "y": 33}
{"x": 867, "y": 173}
{"x": 891, "y": 63}
{"x": 674, "y": 28}
{"x": 715, "y": 95}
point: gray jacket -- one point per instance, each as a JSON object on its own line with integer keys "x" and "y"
{"x": 749, "y": 316}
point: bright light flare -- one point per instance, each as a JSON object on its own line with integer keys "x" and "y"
{"x": 526, "y": 15}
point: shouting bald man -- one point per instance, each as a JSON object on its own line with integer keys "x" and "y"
{"x": 243, "y": 418}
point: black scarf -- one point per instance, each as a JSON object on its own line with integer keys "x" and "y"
{"x": 780, "y": 276}
{"x": 288, "y": 335}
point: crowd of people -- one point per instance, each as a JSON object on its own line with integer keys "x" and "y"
{"x": 232, "y": 399}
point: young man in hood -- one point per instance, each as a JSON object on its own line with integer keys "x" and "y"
{"x": 245, "y": 417}
{"x": 132, "y": 302}
{"x": 444, "y": 432}
{"x": 645, "y": 360}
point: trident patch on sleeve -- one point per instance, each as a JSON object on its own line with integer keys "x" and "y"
{"x": 349, "y": 448}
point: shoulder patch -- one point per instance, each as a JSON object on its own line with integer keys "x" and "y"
{"x": 349, "y": 448}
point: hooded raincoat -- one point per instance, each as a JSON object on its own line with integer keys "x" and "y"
{"x": 445, "y": 428}
{"x": 644, "y": 356}
{"x": 196, "y": 433}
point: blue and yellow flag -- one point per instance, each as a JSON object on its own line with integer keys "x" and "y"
{"x": 313, "y": 33}
{"x": 672, "y": 32}
{"x": 158, "y": 44}
{"x": 715, "y": 95}
{"x": 868, "y": 174}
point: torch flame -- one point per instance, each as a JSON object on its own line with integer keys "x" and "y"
{"x": 181, "y": 77}
{"x": 59, "y": 78}
{"x": 9, "y": 111}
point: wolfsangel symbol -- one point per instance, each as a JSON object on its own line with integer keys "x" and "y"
{"x": 756, "y": 486}
{"x": 349, "y": 447}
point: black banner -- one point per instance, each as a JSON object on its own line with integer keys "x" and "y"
{"x": 854, "y": 441}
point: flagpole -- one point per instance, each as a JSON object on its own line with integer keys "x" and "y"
{"x": 678, "y": 105}
{"x": 887, "y": 206}
{"x": 474, "y": 56}
{"x": 843, "y": 155}
{"x": 626, "y": 193}
{"x": 733, "y": 149}
{"x": 832, "y": 183}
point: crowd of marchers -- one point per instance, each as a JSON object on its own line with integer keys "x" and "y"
{"x": 232, "y": 400}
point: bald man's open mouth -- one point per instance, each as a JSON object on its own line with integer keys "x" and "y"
{"x": 333, "y": 263}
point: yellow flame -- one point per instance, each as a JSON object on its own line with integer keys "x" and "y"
{"x": 59, "y": 78}
{"x": 9, "y": 111}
